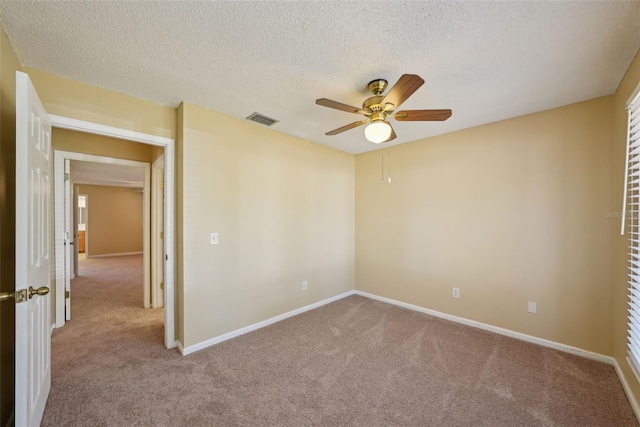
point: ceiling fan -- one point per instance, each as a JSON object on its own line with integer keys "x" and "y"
{"x": 379, "y": 108}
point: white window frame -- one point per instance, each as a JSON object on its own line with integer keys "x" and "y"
{"x": 82, "y": 212}
{"x": 631, "y": 217}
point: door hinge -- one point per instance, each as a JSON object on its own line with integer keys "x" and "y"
{"x": 162, "y": 184}
{"x": 162, "y": 234}
{"x": 162, "y": 285}
{"x": 66, "y": 294}
{"x": 66, "y": 177}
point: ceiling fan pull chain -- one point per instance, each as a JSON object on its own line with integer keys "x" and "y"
{"x": 382, "y": 166}
{"x": 389, "y": 166}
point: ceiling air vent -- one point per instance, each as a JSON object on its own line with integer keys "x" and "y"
{"x": 263, "y": 120}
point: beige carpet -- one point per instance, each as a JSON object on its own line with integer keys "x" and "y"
{"x": 355, "y": 362}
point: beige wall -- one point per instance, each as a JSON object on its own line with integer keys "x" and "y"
{"x": 69, "y": 98}
{"x": 8, "y": 65}
{"x": 156, "y": 152}
{"x": 508, "y": 212}
{"x": 627, "y": 86}
{"x": 284, "y": 211}
{"x": 115, "y": 220}
{"x": 80, "y": 142}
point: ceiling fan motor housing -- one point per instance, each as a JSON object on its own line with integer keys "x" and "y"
{"x": 378, "y": 116}
{"x": 372, "y": 104}
{"x": 378, "y": 86}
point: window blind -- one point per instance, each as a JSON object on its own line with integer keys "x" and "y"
{"x": 630, "y": 215}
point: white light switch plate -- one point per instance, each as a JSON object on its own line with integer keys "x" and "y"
{"x": 213, "y": 238}
{"x": 533, "y": 307}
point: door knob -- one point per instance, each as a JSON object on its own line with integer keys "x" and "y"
{"x": 43, "y": 290}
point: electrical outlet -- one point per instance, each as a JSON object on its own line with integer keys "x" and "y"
{"x": 532, "y": 307}
{"x": 455, "y": 292}
{"x": 304, "y": 285}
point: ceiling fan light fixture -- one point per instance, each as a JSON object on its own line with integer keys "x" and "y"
{"x": 378, "y": 131}
{"x": 378, "y": 108}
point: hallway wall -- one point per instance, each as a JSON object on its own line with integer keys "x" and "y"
{"x": 115, "y": 220}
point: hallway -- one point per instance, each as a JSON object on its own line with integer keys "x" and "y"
{"x": 110, "y": 335}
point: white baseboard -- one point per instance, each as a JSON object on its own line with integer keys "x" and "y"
{"x": 625, "y": 385}
{"x": 110, "y": 255}
{"x": 501, "y": 331}
{"x": 208, "y": 343}
{"x": 507, "y": 332}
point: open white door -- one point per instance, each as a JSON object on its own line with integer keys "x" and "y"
{"x": 68, "y": 238}
{"x": 72, "y": 232}
{"x": 33, "y": 305}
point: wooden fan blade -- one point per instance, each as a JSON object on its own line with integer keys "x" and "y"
{"x": 403, "y": 89}
{"x": 347, "y": 127}
{"x": 337, "y": 105}
{"x": 422, "y": 115}
{"x": 393, "y": 134}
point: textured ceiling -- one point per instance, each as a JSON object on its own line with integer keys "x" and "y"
{"x": 487, "y": 61}
{"x": 106, "y": 174}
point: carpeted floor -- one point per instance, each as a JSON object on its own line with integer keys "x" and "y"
{"x": 355, "y": 362}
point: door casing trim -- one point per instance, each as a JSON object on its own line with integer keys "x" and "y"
{"x": 157, "y": 243}
{"x": 169, "y": 186}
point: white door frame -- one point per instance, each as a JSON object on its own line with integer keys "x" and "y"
{"x": 169, "y": 237}
{"x": 68, "y": 218}
{"x": 64, "y": 199}
{"x": 67, "y": 204}
{"x": 157, "y": 227}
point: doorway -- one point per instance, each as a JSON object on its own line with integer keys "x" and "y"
{"x": 94, "y": 169}
{"x": 83, "y": 215}
{"x": 168, "y": 235}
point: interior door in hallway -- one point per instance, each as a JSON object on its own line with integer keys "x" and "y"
{"x": 33, "y": 309}
{"x": 69, "y": 241}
